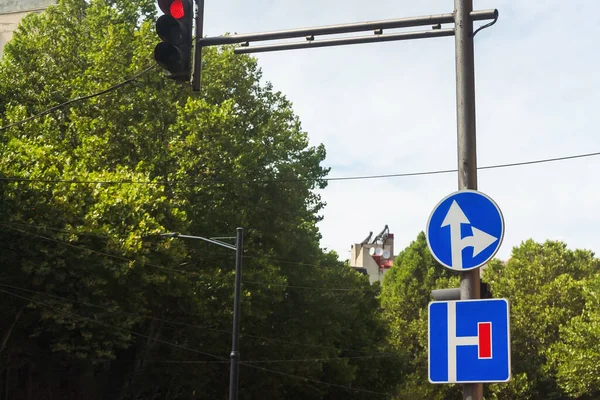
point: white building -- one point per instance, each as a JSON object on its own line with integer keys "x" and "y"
{"x": 374, "y": 256}
{"x": 11, "y": 13}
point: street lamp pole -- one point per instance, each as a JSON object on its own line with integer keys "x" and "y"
{"x": 235, "y": 353}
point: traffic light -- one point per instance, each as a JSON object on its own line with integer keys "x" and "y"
{"x": 454, "y": 293}
{"x": 174, "y": 53}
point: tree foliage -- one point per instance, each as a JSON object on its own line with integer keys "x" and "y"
{"x": 544, "y": 283}
{"x": 97, "y": 304}
{"x": 576, "y": 356}
{"x": 553, "y": 295}
{"x": 405, "y": 295}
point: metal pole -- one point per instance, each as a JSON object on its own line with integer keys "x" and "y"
{"x": 235, "y": 354}
{"x": 467, "y": 150}
{"x": 197, "y": 75}
{"x": 346, "y": 41}
{"x": 217, "y": 242}
{"x": 343, "y": 28}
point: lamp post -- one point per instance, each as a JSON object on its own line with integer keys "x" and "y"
{"x": 235, "y": 354}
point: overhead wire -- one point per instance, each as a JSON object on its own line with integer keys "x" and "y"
{"x": 283, "y": 361}
{"x": 158, "y": 361}
{"x": 113, "y": 326}
{"x": 332, "y": 179}
{"x": 201, "y": 327}
{"x": 315, "y": 380}
{"x": 188, "y": 348}
{"x": 117, "y": 257}
{"x": 305, "y": 287}
{"x": 283, "y": 341}
{"x": 265, "y": 258}
{"x": 22, "y": 224}
{"x": 66, "y": 103}
{"x": 301, "y": 264}
{"x": 292, "y": 343}
{"x": 125, "y": 259}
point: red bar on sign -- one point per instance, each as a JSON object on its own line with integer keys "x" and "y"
{"x": 484, "y": 332}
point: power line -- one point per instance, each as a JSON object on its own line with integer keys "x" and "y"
{"x": 307, "y": 287}
{"x": 341, "y": 178}
{"x": 283, "y": 341}
{"x": 66, "y": 103}
{"x": 190, "y": 349}
{"x": 125, "y": 259}
{"x": 275, "y": 260}
{"x": 113, "y": 326}
{"x": 114, "y": 311}
{"x": 330, "y": 359}
{"x": 326, "y": 359}
{"x": 376, "y": 355}
{"x": 265, "y": 258}
{"x": 48, "y": 228}
{"x": 315, "y": 380}
{"x": 120, "y": 258}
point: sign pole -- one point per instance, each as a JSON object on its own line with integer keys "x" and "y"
{"x": 466, "y": 137}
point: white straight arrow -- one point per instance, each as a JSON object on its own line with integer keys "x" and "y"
{"x": 480, "y": 240}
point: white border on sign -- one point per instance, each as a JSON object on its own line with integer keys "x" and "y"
{"x": 500, "y": 239}
{"x": 509, "y": 377}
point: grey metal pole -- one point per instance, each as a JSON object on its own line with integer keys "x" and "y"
{"x": 344, "y": 28}
{"x": 346, "y": 41}
{"x": 467, "y": 149}
{"x": 235, "y": 354}
{"x": 197, "y": 75}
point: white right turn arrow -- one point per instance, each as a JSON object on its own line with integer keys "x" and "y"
{"x": 480, "y": 240}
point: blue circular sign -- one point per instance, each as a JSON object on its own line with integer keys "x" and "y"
{"x": 465, "y": 230}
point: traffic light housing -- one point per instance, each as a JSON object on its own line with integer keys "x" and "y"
{"x": 485, "y": 291}
{"x": 174, "y": 52}
{"x": 454, "y": 293}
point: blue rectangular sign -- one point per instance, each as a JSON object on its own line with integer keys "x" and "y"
{"x": 469, "y": 341}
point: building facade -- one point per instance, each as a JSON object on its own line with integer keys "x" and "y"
{"x": 374, "y": 256}
{"x": 13, "y": 11}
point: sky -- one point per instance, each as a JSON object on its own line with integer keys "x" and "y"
{"x": 387, "y": 108}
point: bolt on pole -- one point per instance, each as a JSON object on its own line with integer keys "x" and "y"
{"x": 466, "y": 140}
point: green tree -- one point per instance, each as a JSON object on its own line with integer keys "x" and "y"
{"x": 544, "y": 284}
{"x": 405, "y": 295}
{"x": 576, "y": 356}
{"x": 95, "y": 292}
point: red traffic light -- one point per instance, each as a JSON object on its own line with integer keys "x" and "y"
{"x": 174, "y": 8}
{"x": 174, "y": 28}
